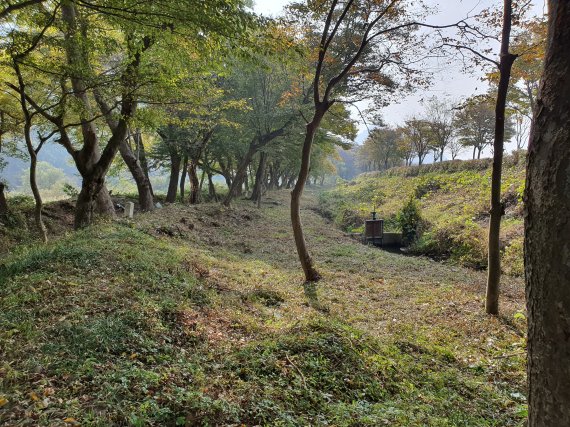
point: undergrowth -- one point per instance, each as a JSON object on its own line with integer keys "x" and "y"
{"x": 454, "y": 201}
{"x": 120, "y": 325}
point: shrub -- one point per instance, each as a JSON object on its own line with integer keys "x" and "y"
{"x": 409, "y": 219}
{"x": 348, "y": 218}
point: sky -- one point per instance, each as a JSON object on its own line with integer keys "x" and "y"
{"x": 449, "y": 81}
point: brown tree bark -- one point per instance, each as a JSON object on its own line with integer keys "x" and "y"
{"x": 211, "y": 188}
{"x": 259, "y": 177}
{"x": 194, "y": 183}
{"x": 547, "y": 233}
{"x": 497, "y": 209}
{"x": 311, "y": 273}
{"x": 174, "y": 175}
{"x": 141, "y": 155}
{"x": 38, "y": 218}
{"x": 146, "y": 200}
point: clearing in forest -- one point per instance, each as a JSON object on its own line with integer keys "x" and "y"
{"x": 197, "y": 315}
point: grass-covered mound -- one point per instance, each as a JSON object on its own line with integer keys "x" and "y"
{"x": 454, "y": 202}
{"x": 197, "y": 316}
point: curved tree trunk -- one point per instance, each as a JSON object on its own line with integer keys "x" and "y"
{"x": 146, "y": 202}
{"x": 311, "y": 274}
{"x": 37, "y": 198}
{"x": 259, "y": 177}
{"x": 174, "y": 174}
{"x": 241, "y": 174}
{"x": 194, "y": 183}
{"x": 497, "y": 208}
{"x": 33, "y": 153}
{"x": 547, "y": 233}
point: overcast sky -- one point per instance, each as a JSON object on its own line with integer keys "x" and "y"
{"x": 449, "y": 80}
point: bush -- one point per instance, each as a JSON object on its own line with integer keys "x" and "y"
{"x": 409, "y": 219}
{"x": 348, "y": 218}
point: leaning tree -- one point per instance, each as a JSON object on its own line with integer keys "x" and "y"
{"x": 362, "y": 49}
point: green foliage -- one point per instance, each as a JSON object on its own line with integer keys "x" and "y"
{"x": 70, "y": 191}
{"x": 454, "y": 199}
{"x": 409, "y": 218}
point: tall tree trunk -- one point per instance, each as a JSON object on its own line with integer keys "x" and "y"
{"x": 194, "y": 182}
{"x": 174, "y": 175}
{"x": 146, "y": 201}
{"x": 37, "y": 198}
{"x": 259, "y": 176}
{"x": 474, "y": 151}
{"x": 33, "y": 153}
{"x": 3, "y": 202}
{"x": 91, "y": 163}
{"x": 497, "y": 208}
{"x": 141, "y": 155}
{"x": 311, "y": 274}
{"x": 237, "y": 183}
{"x": 547, "y": 233}
{"x": 183, "y": 178}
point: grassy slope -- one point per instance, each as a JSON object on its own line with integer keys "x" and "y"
{"x": 198, "y": 316}
{"x": 454, "y": 198}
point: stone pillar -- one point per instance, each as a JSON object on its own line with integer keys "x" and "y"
{"x": 130, "y": 209}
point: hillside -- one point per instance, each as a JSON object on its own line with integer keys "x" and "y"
{"x": 454, "y": 205}
{"x": 198, "y": 316}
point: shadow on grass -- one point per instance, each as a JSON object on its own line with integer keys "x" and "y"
{"x": 310, "y": 290}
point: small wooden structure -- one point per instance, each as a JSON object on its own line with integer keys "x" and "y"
{"x": 374, "y": 232}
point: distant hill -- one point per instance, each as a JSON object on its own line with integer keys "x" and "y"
{"x": 52, "y": 153}
{"x": 453, "y": 198}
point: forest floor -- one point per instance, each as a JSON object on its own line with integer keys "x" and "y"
{"x": 198, "y": 315}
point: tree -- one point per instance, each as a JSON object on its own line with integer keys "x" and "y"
{"x": 475, "y": 124}
{"x": 380, "y": 149}
{"x": 406, "y": 149}
{"x": 528, "y": 43}
{"x": 3, "y": 202}
{"x": 356, "y": 49}
{"x": 439, "y": 117}
{"x": 271, "y": 88}
{"x": 547, "y": 233}
{"x": 418, "y": 133}
{"x": 455, "y": 147}
{"x": 103, "y": 57}
{"x": 497, "y": 209}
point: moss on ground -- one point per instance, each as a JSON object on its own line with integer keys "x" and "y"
{"x": 197, "y": 316}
